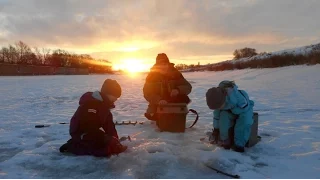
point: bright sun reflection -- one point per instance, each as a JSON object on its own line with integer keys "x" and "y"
{"x": 131, "y": 66}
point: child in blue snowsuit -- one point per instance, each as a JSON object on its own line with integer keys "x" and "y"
{"x": 233, "y": 115}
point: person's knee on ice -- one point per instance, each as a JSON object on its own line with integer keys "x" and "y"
{"x": 227, "y": 98}
{"x": 93, "y": 121}
{"x": 164, "y": 84}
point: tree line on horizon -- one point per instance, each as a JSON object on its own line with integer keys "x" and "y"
{"x": 269, "y": 60}
{"x": 22, "y": 54}
{"x": 238, "y": 54}
{"x": 254, "y": 60}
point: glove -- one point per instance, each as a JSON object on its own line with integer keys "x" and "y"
{"x": 115, "y": 147}
{"x": 214, "y": 137}
{"x": 123, "y": 138}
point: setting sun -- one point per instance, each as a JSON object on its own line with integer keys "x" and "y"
{"x": 132, "y": 66}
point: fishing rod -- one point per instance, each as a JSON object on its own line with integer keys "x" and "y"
{"x": 116, "y": 123}
{"x": 221, "y": 172}
{"x": 47, "y": 125}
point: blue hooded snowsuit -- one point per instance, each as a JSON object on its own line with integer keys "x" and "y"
{"x": 237, "y": 111}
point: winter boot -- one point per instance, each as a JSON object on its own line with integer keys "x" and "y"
{"x": 64, "y": 148}
{"x": 225, "y": 144}
{"x": 238, "y": 148}
{"x": 231, "y": 135}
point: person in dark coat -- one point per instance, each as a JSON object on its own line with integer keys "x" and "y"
{"x": 91, "y": 127}
{"x": 164, "y": 84}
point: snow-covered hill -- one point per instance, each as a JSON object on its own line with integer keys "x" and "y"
{"x": 304, "y": 51}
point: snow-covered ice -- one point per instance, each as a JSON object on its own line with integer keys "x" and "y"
{"x": 287, "y": 100}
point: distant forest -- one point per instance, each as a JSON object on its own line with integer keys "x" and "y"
{"x": 22, "y": 54}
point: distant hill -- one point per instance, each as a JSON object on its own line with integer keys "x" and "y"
{"x": 302, "y": 55}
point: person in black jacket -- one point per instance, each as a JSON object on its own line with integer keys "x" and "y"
{"x": 91, "y": 127}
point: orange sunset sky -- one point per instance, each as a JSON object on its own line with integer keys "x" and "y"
{"x": 131, "y": 33}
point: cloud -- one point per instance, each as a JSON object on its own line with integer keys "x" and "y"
{"x": 182, "y": 28}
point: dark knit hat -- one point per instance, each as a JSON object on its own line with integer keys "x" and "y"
{"x": 111, "y": 87}
{"x": 162, "y": 58}
{"x": 215, "y": 97}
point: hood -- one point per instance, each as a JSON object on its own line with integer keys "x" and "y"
{"x": 170, "y": 65}
{"x": 171, "y": 68}
{"x": 95, "y": 96}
